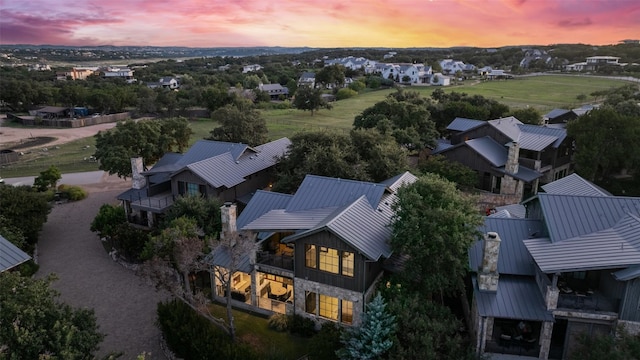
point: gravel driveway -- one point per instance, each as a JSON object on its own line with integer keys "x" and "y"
{"x": 124, "y": 304}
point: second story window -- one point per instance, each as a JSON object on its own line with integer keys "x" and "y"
{"x": 329, "y": 260}
{"x": 310, "y": 256}
{"x": 347, "y": 263}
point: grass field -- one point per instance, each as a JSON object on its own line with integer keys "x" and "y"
{"x": 542, "y": 92}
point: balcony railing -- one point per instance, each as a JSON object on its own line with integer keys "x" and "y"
{"x": 593, "y": 301}
{"x": 277, "y": 260}
{"x": 158, "y": 202}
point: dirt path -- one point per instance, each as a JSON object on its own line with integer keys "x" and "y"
{"x": 12, "y": 135}
{"x": 124, "y": 304}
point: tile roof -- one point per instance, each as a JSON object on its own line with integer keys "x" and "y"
{"x": 618, "y": 246}
{"x": 574, "y": 184}
{"x": 517, "y": 298}
{"x": 513, "y": 258}
{"x": 10, "y": 255}
{"x": 463, "y": 124}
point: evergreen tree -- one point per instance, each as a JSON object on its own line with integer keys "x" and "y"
{"x": 373, "y": 337}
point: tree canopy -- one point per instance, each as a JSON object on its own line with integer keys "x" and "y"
{"x": 308, "y": 98}
{"x": 405, "y": 116}
{"x": 331, "y": 75}
{"x": 434, "y": 225}
{"x": 239, "y": 123}
{"x": 149, "y": 139}
{"x": 25, "y": 209}
{"x": 37, "y": 326}
{"x": 47, "y": 179}
{"x": 606, "y": 141}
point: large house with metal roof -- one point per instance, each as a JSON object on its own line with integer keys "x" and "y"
{"x": 321, "y": 250}
{"x": 543, "y": 153}
{"x": 227, "y": 171}
{"x": 570, "y": 267}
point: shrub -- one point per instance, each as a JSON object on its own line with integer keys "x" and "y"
{"x": 324, "y": 344}
{"x": 357, "y": 86}
{"x": 129, "y": 241}
{"x": 107, "y": 219}
{"x": 279, "y": 322}
{"x": 191, "y": 336}
{"x": 72, "y": 192}
{"x": 301, "y": 325}
{"x": 345, "y": 93}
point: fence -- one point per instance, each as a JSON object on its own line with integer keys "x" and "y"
{"x": 72, "y": 123}
{"x": 33, "y": 168}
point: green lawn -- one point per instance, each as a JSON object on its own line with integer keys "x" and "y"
{"x": 542, "y": 92}
{"x": 255, "y": 330}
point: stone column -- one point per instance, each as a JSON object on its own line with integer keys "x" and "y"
{"x": 228, "y": 220}
{"x": 545, "y": 339}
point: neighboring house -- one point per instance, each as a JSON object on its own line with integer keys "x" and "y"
{"x": 228, "y": 171}
{"x": 571, "y": 267}
{"x": 10, "y": 255}
{"x": 353, "y": 63}
{"x": 450, "y": 66}
{"x": 405, "y": 73}
{"x": 275, "y": 91}
{"x": 559, "y": 116}
{"x": 438, "y": 79}
{"x": 592, "y": 63}
{"x": 321, "y": 250}
{"x": 307, "y": 79}
{"x": 51, "y": 112}
{"x": 531, "y": 55}
{"x": 251, "y": 68}
{"x": 546, "y": 150}
{"x": 118, "y": 72}
{"x": 39, "y": 67}
{"x": 169, "y": 83}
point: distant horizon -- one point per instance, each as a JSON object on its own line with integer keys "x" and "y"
{"x": 326, "y": 24}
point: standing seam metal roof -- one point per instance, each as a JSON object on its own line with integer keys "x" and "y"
{"x": 464, "y": 124}
{"x": 568, "y": 216}
{"x": 544, "y": 131}
{"x": 490, "y": 149}
{"x": 261, "y": 203}
{"x": 574, "y": 184}
{"x": 10, "y": 255}
{"x": 321, "y": 192}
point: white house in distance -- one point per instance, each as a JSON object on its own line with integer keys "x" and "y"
{"x": 593, "y": 62}
{"x": 250, "y": 68}
{"x": 118, "y": 72}
{"x": 353, "y": 63}
{"x": 450, "y": 66}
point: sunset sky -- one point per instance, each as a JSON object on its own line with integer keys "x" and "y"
{"x": 318, "y": 23}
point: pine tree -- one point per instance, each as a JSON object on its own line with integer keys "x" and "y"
{"x": 373, "y": 337}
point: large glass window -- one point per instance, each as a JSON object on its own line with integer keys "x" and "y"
{"x": 347, "y": 263}
{"x": 329, "y": 260}
{"x": 347, "y": 312}
{"x": 310, "y": 256}
{"x": 310, "y": 302}
{"x": 192, "y": 189}
{"x": 329, "y": 307}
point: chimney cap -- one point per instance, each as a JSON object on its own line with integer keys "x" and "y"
{"x": 492, "y": 235}
{"x": 228, "y": 204}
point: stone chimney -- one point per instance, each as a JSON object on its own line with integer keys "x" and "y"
{"x": 228, "y": 219}
{"x": 138, "y": 181}
{"x": 512, "y": 158}
{"x": 488, "y": 276}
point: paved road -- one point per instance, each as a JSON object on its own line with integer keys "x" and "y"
{"x": 124, "y": 304}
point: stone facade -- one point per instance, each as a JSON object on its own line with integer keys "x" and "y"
{"x": 228, "y": 213}
{"x": 632, "y": 327}
{"x": 301, "y": 286}
{"x": 138, "y": 181}
{"x": 488, "y": 274}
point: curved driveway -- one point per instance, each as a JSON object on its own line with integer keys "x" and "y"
{"x": 124, "y": 304}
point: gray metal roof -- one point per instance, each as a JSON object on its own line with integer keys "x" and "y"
{"x": 267, "y": 87}
{"x": 399, "y": 180}
{"x": 228, "y": 170}
{"x": 463, "y": 124}
{"x": 322, "y": 192}
{"x": 574, "y": 184}
{"x": 133, "y": 194}
{"x": 490, "y": 149}
{"x": 514, "y": 210}
{"x": 543, "y": 133}
{"x": 441, "y": 145}
{"x": 615, "y": 247}
{"x": 204, "y": 149}
{"x": 514, "y": 258}
{"x": 627, "y": 274}
{"x": 517, "y": 298}
{"x": 283, "y": 220}
{"x": 220, "y": 256}
{"x": 524, "y": 173}
{"x": 360, "y": 226}
{"x": 507, "y": 126}
{"x": 10, "y": 255}
{"x": 261, "y": 203}
{"x": 568, "y": 216}
{"x": 535, "y": 142}
{"x": 555, "y": 113}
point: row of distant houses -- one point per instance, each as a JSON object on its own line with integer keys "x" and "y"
{"x": 107, "y": 72}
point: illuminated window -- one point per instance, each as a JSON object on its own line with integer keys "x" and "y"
{"x": 347, "y": 312}
{"x": 329, "y": 307}
{"x": 310, "y": 256}
{"x": 310, "y": 302}
{"x": 329, "y": 260}
{"x": 347, "y": 263}
{"x": 192, "y": 189}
